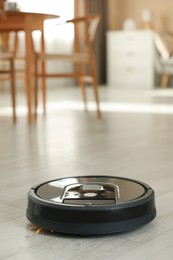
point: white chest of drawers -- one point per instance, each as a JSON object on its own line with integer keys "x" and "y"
{"x": 130, "y": 59}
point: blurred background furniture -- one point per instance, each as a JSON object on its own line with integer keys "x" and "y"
{"x": 130, "y": 59}
{"x": 83, "y": 59}
{"x": 164, "y": 46}
{"x": 28, "y": 22}
{"x": 8, "y": 71}
{"x": 9, "y": 42}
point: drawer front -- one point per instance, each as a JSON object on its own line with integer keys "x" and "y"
{"x": 121, "y": 59}
{"x": 131, "y": 76}
{"x": 139, "y": 82}
{"x": 129, "y": 49}
{"x": 131, "y": 38}
{"x": 130, "y": 58}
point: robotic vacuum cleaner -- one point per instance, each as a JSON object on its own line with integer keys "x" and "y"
{"x": 91, "y": 205}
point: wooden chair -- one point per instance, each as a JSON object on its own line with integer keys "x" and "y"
{"x": 9, "y": 70}
{"x": 15, "y": 63}
{"x": 9, "y": 43}
{"x": 83, "y": 59}
{"x": 8, "y": 61}
{"x": 164, "y": 62}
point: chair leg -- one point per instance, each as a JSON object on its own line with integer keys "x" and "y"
{"x": 13, "y": 90}
{"x": 84, "y": 96}
{"x": 35, "y": 86}
{"x": 43, "y": 86}
{"x": 95, "y": 87}
{"x": 164, "y": 80}
{"x": 43, "y": 79}
{"x": 80, "y": 70}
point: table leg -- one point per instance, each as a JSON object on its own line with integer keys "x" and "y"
{"x": 29, "y": 73}
{"x": 43, "y": 79}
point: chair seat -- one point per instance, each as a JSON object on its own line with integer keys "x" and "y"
{"x": 84, "y": 68}
{"x": 75, "y": 57}
{"x": 6, "y": 55}
{"x": 9, "y": 57}
{"x": 164, "y": 47}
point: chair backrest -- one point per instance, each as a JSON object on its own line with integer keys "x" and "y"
{"x": 164, "y": 56}
{"x": 85, "y": 27}
{"x": 9, "y": 42}
{"x": 164, "y": 44}
{"x": 1, "y": 4}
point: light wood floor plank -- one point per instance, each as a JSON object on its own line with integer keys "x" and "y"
{"x": 69, "y": 142}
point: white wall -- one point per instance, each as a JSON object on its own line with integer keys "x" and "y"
{"x": 60, "y": 7}
{"x": 57, "y": 38}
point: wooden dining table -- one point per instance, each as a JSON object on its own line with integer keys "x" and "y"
{"x": 26, "y": 22}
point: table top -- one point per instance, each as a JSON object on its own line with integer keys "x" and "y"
{"x": 17, "y": 20}
{"x": 22, "y": 13}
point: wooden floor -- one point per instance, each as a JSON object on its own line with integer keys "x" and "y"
{"x": 133, "y": 139}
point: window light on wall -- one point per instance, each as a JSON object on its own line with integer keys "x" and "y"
{"x": 57, "y": 7}
{"x": 63, "y": 8}
{"x": 57, "y": 38}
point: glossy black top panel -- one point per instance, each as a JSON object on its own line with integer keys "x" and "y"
{"x": 96, "y": 190}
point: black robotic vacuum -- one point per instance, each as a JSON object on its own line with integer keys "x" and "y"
{"x": 91, "y": 205}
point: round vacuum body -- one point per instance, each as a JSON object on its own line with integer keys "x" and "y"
{"x": 91, "y": 205}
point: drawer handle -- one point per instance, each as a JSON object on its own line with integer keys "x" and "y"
{"x": 130, "y": 53}
{"x": 130, "y": 38}
{"x": 130, "y": 69}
